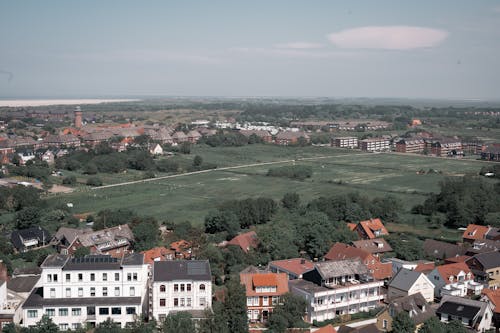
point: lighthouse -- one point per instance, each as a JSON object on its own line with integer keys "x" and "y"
{"x": 78, "y": 117}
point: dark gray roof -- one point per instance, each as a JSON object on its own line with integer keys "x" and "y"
{"x": 38, "y": 233}
{"x": 404, "y": 279}
{"x": 306, "y": 286}
{"x": 415, "y": 305}
{"x": 92, "y": 262}
{"x": 133, "y": 259}
{"x": 181, "y": 269}
{"x": 36, "y": 300}
{"x": 22, "y": 284}
{"x": 370, "y": 328}
{"x": 459, "y": 310}
{"x": 329, "y": 269}
{"x": 440, "y": 250}
{"x": 489, "y": 259}
{"x": 27, "y": 271}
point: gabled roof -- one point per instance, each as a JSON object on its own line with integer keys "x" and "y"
{"x": 245, "y": 241}
{"x": 22, "y": 284}
{"x": 488, "y": 259}
{"x": 297, "y": 266}
{"x": 445, "y": 271}
{"x": 370, "y": 328}
{"x": 198, "y": 270}
{"x": 494, "y": 297}
{"x": 425, "y": 267}
{"x": 415, "y": 305}
{"x": 326, "y": 329}
{"x": 376, "y": 245}
{"x": 372, "y": 225}
{"x": 331, "y": 269}
{"x": 475, "y": 231}
{"x": 159, "y": 253}
{"x": 405, "y": 279}
{"x": 439, "y": 250}
{"x": 253, "y": 280}
{"x": 38, "y": 233}
{"x": 69, "y": 233}
{"x": 461, "y": 307}
{"x": 341, "y": 251}
{"x": 289, "y": 135}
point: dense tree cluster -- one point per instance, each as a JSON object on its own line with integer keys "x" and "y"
{"x": 19, "y": 197}
{"x": 229, "y": 138}
{"x": 299, "y": 172}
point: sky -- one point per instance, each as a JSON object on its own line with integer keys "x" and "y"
{"x": 447, "y": 49}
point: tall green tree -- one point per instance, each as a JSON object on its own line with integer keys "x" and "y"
{"x": 236, "y": 307}
{"x": 455, "y": 326}
{"x": 433, "y": 325}
{"x": 402, "y": 323}
{"x": 216, "y": 321}
{"x": 108, "y": 326}
{"x": 288, "y": 313}
{"x": 179, "y": 322}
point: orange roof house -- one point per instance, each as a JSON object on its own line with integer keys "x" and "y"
{"x": 263, "y": 291}
{"x": 293, "y": 267}
{"x": 352, "y": 226}
{"x": 182, "y": 249}
{"x": 341, "y": 251}
{"x": 158, "y": 254}
{"x": 493, "y": 296}
{"x": 475, "y": 232}
{"x": 245, "y": 241}
{"x": 452, "y": 270}
{"x": 326, "y": 329}
{"x": 370, "y": 229}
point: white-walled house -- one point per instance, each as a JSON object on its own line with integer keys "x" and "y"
{"x": 180, "y": 285}
{"x": 474, "y": 315}
{"x": 409, "y": 282}
{"x": 75, "y": 292}
{"x": 454, "y": 279}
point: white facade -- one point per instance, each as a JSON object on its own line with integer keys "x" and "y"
{"x": 346, "y": 142}
{"x": 89, "y": 292}
{"x": 180, "y": 285}
{"x": 421, "y": 285}
{"x": 327, "y": 303}
{"x": 458, "y": 285}
{"x": 375, "y": 145}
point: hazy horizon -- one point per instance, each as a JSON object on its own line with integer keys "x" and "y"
{"x": 447, "y": 50}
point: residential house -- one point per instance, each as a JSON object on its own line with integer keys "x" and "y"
{"x": 182, "y": 249}
{"x": 180, "y": 285}
{"x": 482, "y": 246}
{"x": 29, "y": 239}
{"x": 376, "y": 246}
{"x": 335, "y": 288}
{"x": 96, "y": 138}
{"x": 439, "y": 250}
{"x": 325, "y": 329}
{"x": 422, "y": 266}
{"x": 294, "y": 268}
{"x": 159, "y": 253}
{"x": 245, "y": 241}
{"x": 474, "y": 315}
{"x": 370, "y": 328}
{"x": 491, "y": 153}
{"x": 59, "y": 141}
{"x": 486, "y": 268}
{"x": 76, "y": 292}
{"x": 264, "y": 135}
{"x": 371, "y": 229}
{"x": 193, "y": 136}
{"x": 179, "y": 137}
{"x": 25, "y": 155}
{"x": 375, "y": 144}
{"x": 475, "y": 232}
{"x": 156, "y": 150}
{"x": 493, "y": 297}
{"x": 409, "y": 282}
{"x": 379, "y": 270}
{"x": 48, "y": 156}
{"x": 345, "y": 142}
{"x": 415, "y": 305}
{"x": 414, "y": 145}
{"x": 454, "y": 279}
{"x": 289, "y": 138}
{"x": 447, "y": 147}
{"x": 263, "y": 292}
{"x": 114, "y": 241}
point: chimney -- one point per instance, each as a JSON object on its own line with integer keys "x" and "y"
{"x": 302, "y": 261}
{"x": 3, "y": 271}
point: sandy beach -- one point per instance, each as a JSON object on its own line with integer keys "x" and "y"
{"x": 44, "y": 102}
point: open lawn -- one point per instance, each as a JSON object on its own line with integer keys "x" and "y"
{"x": 190, "y": 197}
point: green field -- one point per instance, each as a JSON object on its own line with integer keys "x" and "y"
{"x": 190, "y": 197}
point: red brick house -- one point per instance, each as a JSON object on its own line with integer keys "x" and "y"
{"x": 245, "y": 241}
{"x": 370, "y": 229}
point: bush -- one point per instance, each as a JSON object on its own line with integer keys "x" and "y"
{"x": 94, "y": 181}
{"x": 299, "y": 172}
{"x": 70, "y": 180}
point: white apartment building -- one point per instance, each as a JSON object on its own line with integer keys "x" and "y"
{"x": 336, "y": 288}
{"x": 345, "y": 142}
{"x": 76, "y": 292}
{"x": 375, "y": 144}
{"x": 180, "y": 285}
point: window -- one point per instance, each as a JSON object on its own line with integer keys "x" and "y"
{"x": 182, "y": 287}
{"x": 274, "y": 300}
{"x": 202, "y": 301}
{"x": 55, "y": 277}
{"x": 68, "y": 292}
{"x": 129, "y": 276}
{"x": 92, "y": 276}
{"x": 116, "y": 311}
{"x": 134, "y": 276}
{"x": 188, "y": 287}
{"x": 182, "y": 302}
{"x": 249, "y": 301}
{"x": 63, "y": 327}
{"x": 265, "y": 300}
{"x": 90, "y": 310}
{"x": 50, "y": 312}
{"x": 117, "y": 276}
{"x": 384, "y": 323}
{"x": 104, "y": 291}
{"x": 202, "y": 287}
{"x": 76, "y": 311}
{"x": 130, "y": 310}
{"x": 162, "y": 302}
{"x": 105, "y": 276}
{"x": 75, "y": 326}
{"x": 68, "y": 277}
{"x": 104, "y": 311}
{"x": 188, "y": 301}
{"x": 117, "y": 291}
{"x": 162, "y": 288}
{"x": 176, "y": 302}
{"x": 32, "y": 313}
{"x": 63, "y": 312}
{"x": 176, "y": 287}
{"x": 92, "y": 291}
{"x": 49, "y": 277}
{"x": 80, "y": 277}
{"x": 52, "y": 292}
{"x": 132, "y": 291}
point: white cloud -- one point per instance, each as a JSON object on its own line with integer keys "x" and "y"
{"x": 388, "y": 37}
{"x": 299, "y": 46}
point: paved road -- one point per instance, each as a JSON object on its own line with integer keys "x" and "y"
{"x": 224, "y": 168}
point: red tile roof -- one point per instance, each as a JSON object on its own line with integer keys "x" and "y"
{"x": 252, "y": 280}
{"x": 452, "y": 260}
{"x": 180, "y": 245}
{"x": 352, "y": 226}
{"x": 452, "y": 270}
{"x": 245, "y": 241}
{"x": 157, "y": 252}
{"x": 425, "y": 267}
{"x": 370, "y": 226}
{"x": 297, "y": 266}
{"x": 475, "y": 231}
{"x": 494, "y": 297}
{"x": 326, "y": 329}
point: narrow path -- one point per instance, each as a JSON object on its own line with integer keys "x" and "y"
{"x": 225, "y": 168}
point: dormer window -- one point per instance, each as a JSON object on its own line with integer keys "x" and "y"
{"x": 451, "y": 278}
